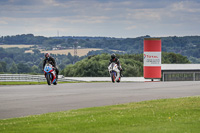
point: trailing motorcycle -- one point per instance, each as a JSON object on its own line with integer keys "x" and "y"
{"x": 50, "y": 74}
{"x": 114, "y": 72}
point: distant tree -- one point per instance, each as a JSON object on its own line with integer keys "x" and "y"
{"x": 35, "y": 69}
{"x": 36, "y": 51}
{"x": 23, "y": 68}
{"x": 7, "y": 60}
{"x": 2, "y": 53}
{"x": 62, "y": 66}
{"x": 13, "y": 69}
{"x": 3, "y": 67}
{"x": 70, "y": 40}
{"x": 172, "y": 58}
{"x": 194, "y": 60}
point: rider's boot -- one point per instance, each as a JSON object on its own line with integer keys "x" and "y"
{"x": 121, "y": 73}
{"x": 57, "y": 71}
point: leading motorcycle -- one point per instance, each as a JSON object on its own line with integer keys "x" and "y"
{"x": 50, "y": 74}
{"x": 114, "y": 72}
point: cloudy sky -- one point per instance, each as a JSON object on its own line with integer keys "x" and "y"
{"x": 110, "y": 18}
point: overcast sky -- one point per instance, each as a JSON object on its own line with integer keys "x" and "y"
{"x": 108, "y": 18}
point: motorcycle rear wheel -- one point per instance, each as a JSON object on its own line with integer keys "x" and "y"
{"x": 119, "y": 80}
{"x": 55, "y": 83}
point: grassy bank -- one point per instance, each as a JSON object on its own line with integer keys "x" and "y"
{"x": 32, "y": 83}
{"x": 168, "y": 116}
{"x": 22, "y": 83}
{"x": 39, "y": 83}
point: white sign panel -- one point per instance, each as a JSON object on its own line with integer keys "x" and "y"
{"x": 152, "y": 58}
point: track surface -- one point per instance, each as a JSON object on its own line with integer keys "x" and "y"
{"x": 24, "y": 100}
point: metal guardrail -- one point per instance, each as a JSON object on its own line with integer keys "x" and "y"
{"x": 27, "y": 78}
{"x": 167, "y": 76}
{"x": 41, "y": 78}
{"x": 181, "y": 76}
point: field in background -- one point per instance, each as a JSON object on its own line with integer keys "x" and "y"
{"x": 80, "y": 52}
{"x": 14, "y": 46}
{"x": 165, "y": 115}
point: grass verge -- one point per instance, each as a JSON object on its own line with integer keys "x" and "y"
{"x": 22, "y": 83}
{"x": 166, "y": 116}
{"x": 39, "y": 83}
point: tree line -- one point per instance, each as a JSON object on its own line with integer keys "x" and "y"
{"x": 28, "y": 39}
{"x": 14, "y": 60}
{"x": 132, "y": 64}
{"x": 188, "y": 45}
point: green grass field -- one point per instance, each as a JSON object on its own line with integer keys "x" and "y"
{"x": 38, "y": 83}
{"x": 158, "y": 116}
{"x": 22, "y": 83}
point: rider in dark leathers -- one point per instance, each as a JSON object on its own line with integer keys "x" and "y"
{"x": 52, "y": 61}
{"x": 116, "y": 60}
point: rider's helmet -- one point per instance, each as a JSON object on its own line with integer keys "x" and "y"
{"x": 113, "y": 56}
{"x": 47, "y": 55}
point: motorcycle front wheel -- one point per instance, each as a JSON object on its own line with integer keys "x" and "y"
{"x": 113, "y": 77}
{"x": 48, "y": 79}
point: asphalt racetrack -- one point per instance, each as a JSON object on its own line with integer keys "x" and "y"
{"x": 24, "y": 100}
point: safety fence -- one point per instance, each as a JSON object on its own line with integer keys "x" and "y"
{"x": 61, "y": 78}
{"x": 27, "y": 78}
{"x": 181, "y": 76}
{"x": 167, "y": 76}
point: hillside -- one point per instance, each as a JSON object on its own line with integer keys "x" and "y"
{"x": 15, "y": 60}
{"x": 188, "y": 45}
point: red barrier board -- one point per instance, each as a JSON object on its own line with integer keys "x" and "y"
{"x": 152, "y": 58}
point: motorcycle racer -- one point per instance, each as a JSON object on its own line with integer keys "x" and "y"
{"x": 116, "y": 60}
{"x": 52, "y": 61}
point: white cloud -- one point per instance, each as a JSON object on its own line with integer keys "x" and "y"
{"x": 131, "y": 27}
{"x": 100, "y": 18}
{"x": 144, "y": 14}
{"x": 3, "y": 22}
{"x": 186, "y": 6}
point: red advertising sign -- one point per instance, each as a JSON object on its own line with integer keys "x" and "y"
{"x": 152, "y": 58}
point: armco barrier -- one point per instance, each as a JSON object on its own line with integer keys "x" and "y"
{"x": 22, "y": 77}
{"x": 26, "y": 78}
{"x": 41, "y": 78}
{"x": 126, "y": 79}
